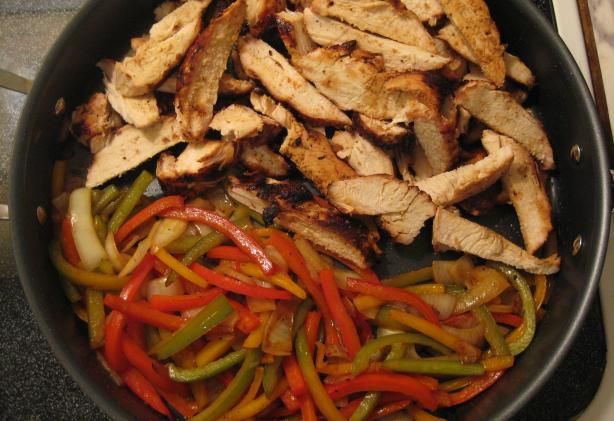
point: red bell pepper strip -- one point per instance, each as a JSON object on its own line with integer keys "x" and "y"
{"x": 296, "y": 263}
{"x": 248, "y": 321}
{"x": 246, "y": 243}
{"x": 394, "y": 294}
{"x": 185, "y": 407}
{"x": 238, "y": 287}
{"x": 114, "y": 328}
{"x": 476, "y": 387}
{"x": 291, "y": 402}
{"x": 331, "y": 335}
{"x": 384, "y": 382}
{"x": 308, "y": 410}
{"x": 349, "y": 409}
{"x": 312, "y": 329}
{"x": 143, "y": 312}
{"x": 509, "y": 319}
{"x": 294, "y": 376}
{"x": 69, "y": 249}
{"x": 349, "y": 334}
{"x": 391, "y": 408}
{"x": 364, "y": 328}
{"x": 135, "y": 330}
{"x": 228, "y": 253}
{"x": 172, "y": 303}
{"x": 144, "y": 390}
{"x": 225, "y": 377}
{"x": 153, "y": 209}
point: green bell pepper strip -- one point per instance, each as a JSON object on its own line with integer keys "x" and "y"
{"x": 95, "y": 317}
{"x": 235, "y": 390}
{"x": 434, "y": 367}
{"x": 183, "y": 244}
{"x": 130, "y": 200}
{"x": 301, "y": 315}
{"x": 110, "y": 208}
{"x": 210, "y": 316}
{"x": 361, "y": 362}
{"x": 186, "y": 375}
{"x": 491, "y": 331}
{"x": 106, "y": 196}
{"x": 101, "y": 228}
{"x": 528, "y": 307}
{"x": 366, "y": 407}
{"x": 256, "y": 216}
{"x": 318, "y": 393}
{"x": 271, "y": 376}
{"x": 83, "y": 277}
{"x": 397, "y": 351}
{"x": 410, "y": 278}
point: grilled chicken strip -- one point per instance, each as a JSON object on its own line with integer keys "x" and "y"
{"x": 428, "y": 11}
{"x": 499, "y": 111}
{"x": 453, "y": 232}
{"x": 523, "y": 185}
{"x": 355, "y": 80}
{"x": 264, "y": 63}
{"x": 229, "y": 86}
{"x": 364, "y": 157}
{"x": 93, "y": 122}
{"x": 261, "y": 13}
{"x": 405, "y": 226}
{"x": 291, "y": 28}
{"x": 472, "y": 18}
{"x": 397, "y": 56}
{"x": 516, "y": 70}
{"x": 437, "y": 137}
{"x": 140, "y": 111}
{"x": 457, "y": 185}
{"x": 197, "y": 168}
{"x": 378, "y": 17}
{"x": 128, "y": 148}
{"x": 261, "y": 159}
{"x": 198, "y": 81}
{"x": 419, "y": 163}
{"x": 381, "y": 132}
{"x": 168, "y": 41}
{"x": 237, "y": 122}
{"x": 331, "y": 232}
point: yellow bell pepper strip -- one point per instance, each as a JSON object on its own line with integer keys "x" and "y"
{"x": 187, "y": 375}
{"x": 72, "y": 293}
{"x": 476, "y": 387}
{"x": 213, "y": 350}
{"x": 95, "y": 317}
{"x": 361, "y": 362}
{"x": 271, "y": 376}
{"x": 456, "y": 384}
{"x": 498, "y": 363}
{"x": 109, "y": 194}
{"x": 178, "y": 267}
{"x": 58, "y": 175}
{"x": 254, "y": 339}
{"x": 233, "y": 392}
{"x": 242, "y": 240}
{"x": 541, "y": 288}
{"x": 467, "y": 351}
{"x": 82, "y": 277}
{"x": 253, "y": 388}
{"x": 434, "y": 367}
{"x": 528, "y": 307}
{"x": 210, "y": 316}
{"x": 491, "y": 331}
{"x": 257, "y": 405}
{"x": 130, "y": 200}
{"x": 366, "y": 407}
{"x": 318, "y": 393}
{"x": 409, "y": 278}
{"x": 427, "y": 289}
{"x": 279, "y": 279}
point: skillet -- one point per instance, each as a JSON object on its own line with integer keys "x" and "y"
{"x": 579, "y": 189}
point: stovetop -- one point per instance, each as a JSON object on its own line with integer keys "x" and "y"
{"x": 33, "y": 385}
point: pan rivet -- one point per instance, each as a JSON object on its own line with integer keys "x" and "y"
{"x": 41, "y": 215}
{"x": 576, "y": 246}
{"x": 60, "y": 106}
{"x": 575, "y": 153}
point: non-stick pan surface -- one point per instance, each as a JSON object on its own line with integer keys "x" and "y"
{"x": 580, "y": 193}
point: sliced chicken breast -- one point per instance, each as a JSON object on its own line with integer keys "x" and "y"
{"x": 499, "y": 111}
{"x": 237, "y": 122}
{"x": 419, "y": 162}
{"x": 360, "y": 154}
{"x": 381, "y": 132}
{"x": 428, "y": 11}
{"x": 230, "y": 86}
{"x": 261, "y": 14}
{"x": 378, "y": 17}
{"x": 463, "y": 182}
{"x": 453, "y": 232}
{"x": 291, "y": 28}
{"x": 200, "y": 73}
{"x": 405, "y": 226}
{"x": 128, "y": 148}
{"x": 523, "y": 185}
{"x": 93, "y": 122}
{"x": 261, "y": 159}
{"x": 168, "y": 41}
{"x": 516, "y": 70}
{"x": 264, "y": 63}
{"x": 437, "y": 137}
{"x": 397, "y": 56}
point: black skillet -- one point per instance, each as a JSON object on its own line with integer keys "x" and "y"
{"x": 580, "y": 190}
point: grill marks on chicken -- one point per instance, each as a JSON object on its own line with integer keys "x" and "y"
{"x": 292, "y": 31}
{"x": 202, "y": 69}
{"x": 93, "y": 122}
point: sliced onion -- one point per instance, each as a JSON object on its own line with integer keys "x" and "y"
{"x": 91, "y": 252}
{"x": 169, "y": 230}
{"x": 202, "y": 229}
{"x": 140, "y": 252}
{"x": 314, "y": 261}
{"x": 274, "y": 255}
{"x": 442, "y": 303}
{"x": 277, "y": 339}
{"x": 117, "y": 259}
{"x": 260, "y": 305}
{"x": 158, "y": 287}
{"x": 452, "y": 271}
{"x": 487, "y": 283}
{"x": 473, "y": 335}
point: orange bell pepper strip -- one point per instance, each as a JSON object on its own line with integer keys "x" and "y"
{"x": 185, "y": 407}
{"x": 69, "y": 249}
{"x": 144, "y": 215}
{"x": 476, "y": 387}
{"x": 291, "y": 402}
{"x": 308, "y": 410}
{"x": 141, "y": 387}
{"x": 294, "y": 376}
{"x": 343, "y": 321}
{"x": 248, "y": 321}
{"x": 394, "y": 294}
{"x": 384, "y": 382}
{"x": 228, "y": 253}
{"x": 172, "y": 303}
{"x": 238, "y": 287}
{"x": 143, "y": 312}
{"x": 391, "y": 408}
{"x": 246, "y": 243}
{"x": 312, "y": 329}
{"x": 331, "y": 335}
